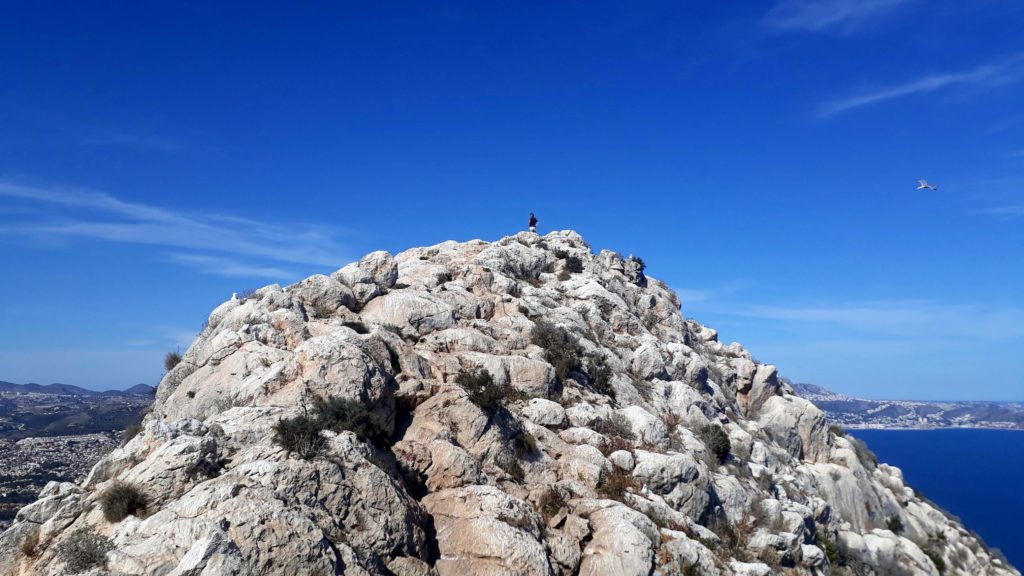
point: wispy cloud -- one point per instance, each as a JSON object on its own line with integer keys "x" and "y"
{"x": 106, "y": 138}
{"x": 998, "y": 73}
{"x": 689, "y": 296}
{"x": 83, "y": 133}
{"x": 828, "y": 15}
{"x": 1017, "y": 210}
{"x": 905, "y": 318}
{"x": 212, "y": 239}
{"x": 227, "y": 267}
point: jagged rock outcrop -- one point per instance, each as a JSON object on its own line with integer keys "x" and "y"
{"x": 626, "y": 440}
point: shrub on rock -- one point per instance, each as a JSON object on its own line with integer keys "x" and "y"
{"x": 717, "y": 441}
{"x": 615, "y": 483}
{"x": 84, "y": 550}
{"x": 130, "y": 431}
{"x": 121, "y": 500}
{"x": 894, "y": 524}
{"x": 340, "y": 414}
{"x": 171, "y": 359}
{"x": 561, "y": 348}
{"x": 301, "y": 435}
{"x": 482, "y": 391}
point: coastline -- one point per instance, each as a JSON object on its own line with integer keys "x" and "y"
{"x": 926, "y": 428}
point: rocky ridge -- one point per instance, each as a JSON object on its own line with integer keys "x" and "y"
{"x": 604, "y": 458}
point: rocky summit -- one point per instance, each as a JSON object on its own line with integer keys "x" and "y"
{"x": 521, "y": 407}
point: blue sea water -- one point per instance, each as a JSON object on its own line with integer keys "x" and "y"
{"x": 974, "y": 474}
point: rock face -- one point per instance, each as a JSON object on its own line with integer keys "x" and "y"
{"x": 628, "y": 440}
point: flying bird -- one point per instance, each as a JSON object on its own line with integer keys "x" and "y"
{"x": 924, "y": 185}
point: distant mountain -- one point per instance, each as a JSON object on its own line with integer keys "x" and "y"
{"x": 137, "y": 390}
{"x": 854, "y": 412}
{"x": 69, "y": 390}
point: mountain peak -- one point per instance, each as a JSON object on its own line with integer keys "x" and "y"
{"x": 522, "y": 406}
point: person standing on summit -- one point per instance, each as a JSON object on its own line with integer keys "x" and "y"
{"x": 533, "y": 223}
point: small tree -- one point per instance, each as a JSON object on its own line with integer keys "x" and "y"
{"x": 482, "y": 391}
{"x": 717, "y": 441}
{"x": 561, "y": 348}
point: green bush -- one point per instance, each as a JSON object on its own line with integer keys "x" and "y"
{"x": 83, "y": 550}
{"x": 830, "y": 549}
{"x": 574, "y": 264}
{"x": 171, "y": 359}
{"x": 340, "y": 414}
{"x": 121, "y": 500}
{"x": 894, "y": 524}
{"x": 561, "y": 348}
{"x": 301, "y": 435}
{"x": 836, "y": 430}
{"x": 482, "y": 391}
{"x": 716, "y": 440}
{"x": 600, "y": 377}
{"x": 640, "y": 264}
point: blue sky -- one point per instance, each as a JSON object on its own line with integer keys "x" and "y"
{"x": 760, "y": 156}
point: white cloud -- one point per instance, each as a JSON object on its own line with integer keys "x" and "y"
{"x": 825, "y": 15}
{"x": 96, "y": 215}
{"x": 998, "y": 73}
{"x": 907, "y": 319}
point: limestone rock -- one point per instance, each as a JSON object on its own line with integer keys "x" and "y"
{"x": 592, "y": 465}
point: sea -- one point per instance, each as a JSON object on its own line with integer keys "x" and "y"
{"x": 977, "y": 475}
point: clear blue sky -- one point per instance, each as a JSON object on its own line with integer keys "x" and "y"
{"x": 761, "y": 157}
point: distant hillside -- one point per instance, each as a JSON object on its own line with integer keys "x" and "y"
{"x": 866, "y": 413}
{"x": 29, "y": 410}
{"x": 69, "y": 390}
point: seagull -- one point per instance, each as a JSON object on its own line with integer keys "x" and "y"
{"x": 234, "y": 296}
{"x": 924, "y": 185}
